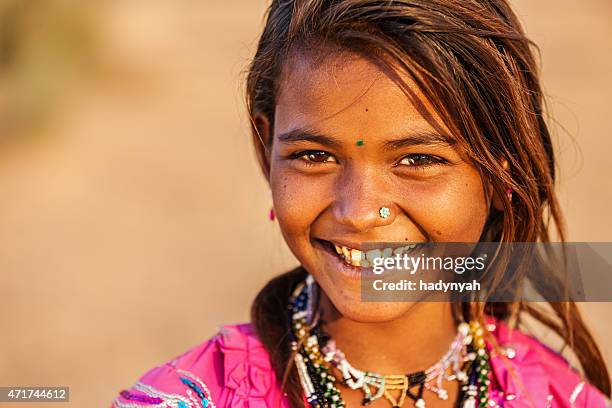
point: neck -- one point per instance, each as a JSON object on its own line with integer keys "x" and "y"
{"x": 414, "y": 341}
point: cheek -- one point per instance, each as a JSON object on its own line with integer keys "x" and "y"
{"x": 451, "y": 210}
{"x": 298, "y": 199}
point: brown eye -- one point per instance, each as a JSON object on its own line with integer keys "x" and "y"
{"x": 419, "y": 160}
{"x": 317, "y": 156}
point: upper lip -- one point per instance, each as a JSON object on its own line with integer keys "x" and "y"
{"x": 360, "y": 245}
{"x": 344, "y": 243}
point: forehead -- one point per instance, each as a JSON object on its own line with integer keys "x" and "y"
{"x": 346, "y": 94}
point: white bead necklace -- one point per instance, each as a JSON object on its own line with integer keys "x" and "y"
{"x": 374, "y": 385}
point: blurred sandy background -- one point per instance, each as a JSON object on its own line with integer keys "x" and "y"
{"x": 133, "y": 218}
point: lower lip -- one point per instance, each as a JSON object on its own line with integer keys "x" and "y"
{"x": 349, "y": 271}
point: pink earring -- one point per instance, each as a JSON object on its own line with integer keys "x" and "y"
{"x": 271, "y": 215}
{"x": 509, "y": 192}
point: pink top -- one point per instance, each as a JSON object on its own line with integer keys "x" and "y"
{"x": 232, "y": 369}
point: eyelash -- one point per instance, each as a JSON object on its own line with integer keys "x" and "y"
{"x": 430, "y": 159}
{"x": 303, "y": 154}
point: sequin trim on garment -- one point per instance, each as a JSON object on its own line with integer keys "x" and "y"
{"x": 197, "y": 395}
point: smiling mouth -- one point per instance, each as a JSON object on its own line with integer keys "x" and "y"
{"x": 362, "y": 259}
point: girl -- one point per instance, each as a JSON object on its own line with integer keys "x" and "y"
{"x": 414, "y": 121}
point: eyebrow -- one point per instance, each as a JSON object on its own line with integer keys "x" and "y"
{"x": 301, "y": 135}
{"x": 421, "y": 138}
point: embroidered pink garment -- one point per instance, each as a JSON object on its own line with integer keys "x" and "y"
{"x": 232, "y": 369}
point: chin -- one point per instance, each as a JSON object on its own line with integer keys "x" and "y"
{"x": 350, "y": 306}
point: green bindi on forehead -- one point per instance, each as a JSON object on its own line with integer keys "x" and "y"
{"x": 360, "y": 142}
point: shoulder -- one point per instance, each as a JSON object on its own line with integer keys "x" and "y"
{"x": 226, "y": 370}
{"x": 530, "y": 374}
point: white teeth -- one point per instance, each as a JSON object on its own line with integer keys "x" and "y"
{"x": 357, "y": 257}
{"x": 346, "y": 252}
{"x": 373, "y": 254}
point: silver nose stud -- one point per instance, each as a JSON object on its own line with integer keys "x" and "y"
{"x": 384, "y": 212}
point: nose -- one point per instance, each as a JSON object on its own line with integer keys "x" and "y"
{"x": 363, "y": 201}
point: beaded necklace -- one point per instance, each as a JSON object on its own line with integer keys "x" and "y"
{"x": 316, "y": 353}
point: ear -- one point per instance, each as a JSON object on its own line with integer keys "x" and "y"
{"x": 262, "y": 138}
{"x": 496, "y": 200}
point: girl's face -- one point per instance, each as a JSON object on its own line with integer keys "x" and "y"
{"x": 346, "y": 142}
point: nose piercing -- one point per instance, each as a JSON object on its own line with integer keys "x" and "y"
{"x": 384, "y": 212}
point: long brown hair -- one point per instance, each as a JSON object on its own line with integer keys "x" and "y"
{"x": 472, "y": 60}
